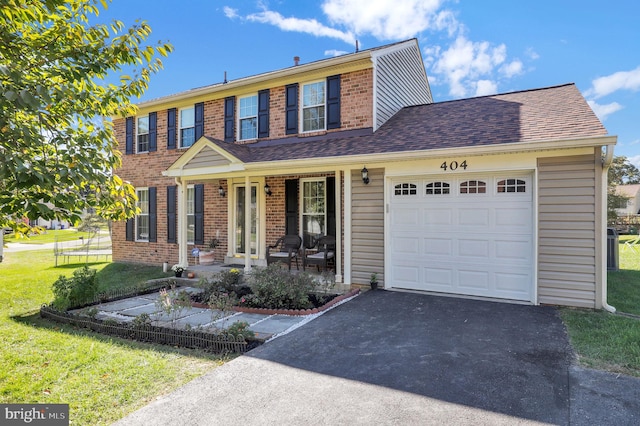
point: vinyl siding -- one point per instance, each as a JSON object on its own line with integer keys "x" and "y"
{"x": 206, "y": 158}
{"x": 400, "y": 81}
{"x": 567, "y": 231}
{"x": 367, "y": 227}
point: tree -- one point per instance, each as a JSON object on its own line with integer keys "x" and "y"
{"x": 57, "y": 143}
{"x": 622, "y": 172}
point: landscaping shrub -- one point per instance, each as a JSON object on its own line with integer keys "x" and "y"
{"x": 222, "y": 282}
{"x": 80, "y": 289}
{"x": 276, "y": 288}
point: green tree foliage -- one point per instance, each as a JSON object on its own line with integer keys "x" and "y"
{"x": 57, "y": 143}
{"x": 622, "y": 172}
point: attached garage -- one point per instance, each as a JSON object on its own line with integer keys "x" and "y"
{"x": 462, "y": 234}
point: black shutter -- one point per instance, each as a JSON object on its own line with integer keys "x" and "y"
{"x": 331, "y": 206}
{"x": 153, "y": 215}
{"x": 263, "y": 113}
{"x": 199, "y": 120}
{"x": 333, "y": 102}
{"x": 199, "y": 213}
{"x": 153, "y": 127}
{"x": 229, "y": 118}
{"x": 291, "y": 101}
{"x": 129, "y": 137}
{"x": 171, "y": 128}
{"x": 171, "y": 214}
{"x": 129, "y": 229}
{"x": 291, "y": 206}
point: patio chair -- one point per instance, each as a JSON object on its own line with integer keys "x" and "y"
{"x": 321, "y": 253}
{"x": 285, "y": 250}
{"x": 632, "y": 244}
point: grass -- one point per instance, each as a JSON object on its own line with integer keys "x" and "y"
{"x": 48, "y": 236}
{"x": 608, "y": 341}
{"x": 101, "y": 378}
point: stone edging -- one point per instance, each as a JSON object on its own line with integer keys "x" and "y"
{"x": 267, "y": 311}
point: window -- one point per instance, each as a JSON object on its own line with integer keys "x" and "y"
{"x": 187, "y": 127}
{"x": 405, "y": 189}
{"x": 473, "y": 187}
{"x": 314, "y": 209}
{"x": 142, "y": 218}
{"x": 142, "y": 130}
{"x": 512, "y": 185}
{"x": 313, "y": 104}
{"x": 191, "y": 214}
{"x": 248, "y": 117}
{"x": 437, "y": 188}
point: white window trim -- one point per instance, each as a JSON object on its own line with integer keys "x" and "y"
{"x": 302, "y": 106}
{"x": 301, "y": 203}
{"x": 239, "y": 119}
{"x": 180, "y": 111}
{"x": 190, "y": 188}
{"x": 139, "y": 134}
{"x": 135, "y": 228}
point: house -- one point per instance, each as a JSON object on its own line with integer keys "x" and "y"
{"x": 632, "y": 192}
{"x": 501, "y": 197}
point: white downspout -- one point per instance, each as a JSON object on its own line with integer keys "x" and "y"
{"x": 247, "y": 224}
{"x": 606, "y": 162}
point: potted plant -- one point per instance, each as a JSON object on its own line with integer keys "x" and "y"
{"x": 206, "y": 257}
{"x": 178, "y": 270}
{"x": 373, "y": 281}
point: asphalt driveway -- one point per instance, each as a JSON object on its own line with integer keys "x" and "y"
{"x": 400, "y": 358}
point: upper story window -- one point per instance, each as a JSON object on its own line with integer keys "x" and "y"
{"x": 248, "y": 117}
{"x": 187, "y": 129}
{"x": 512, "y": 185}
{"x": 142, "y": 218}
{"x": 473, "y": 187}
{"x": 142, "y": 132}
{"x": 313, "y": 106}
{"x": 405, "y": 189}
{"x": 438, "y": 188}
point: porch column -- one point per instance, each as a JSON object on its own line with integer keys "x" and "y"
{"x": 338, "y": 200}
{"x": 347, "y": 227}
{"x": 247, "y": 224}
{"x": 183, "y": 258}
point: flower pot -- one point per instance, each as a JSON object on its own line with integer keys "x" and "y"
{"x": 178, "y": 274}
{"x": 374, "y": 285}
{"x": 206, "y": 258}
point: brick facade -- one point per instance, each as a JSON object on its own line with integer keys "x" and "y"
{"x": 145, "y": 170}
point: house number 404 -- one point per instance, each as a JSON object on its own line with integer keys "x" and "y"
{"x": 453, "y": 165}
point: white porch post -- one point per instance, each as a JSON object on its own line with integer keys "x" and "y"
{"x": 347, "y": 227}
{"x": 247, "y": 224}
{"x": 338, "y": 199}
{"x": 183, "y": 258}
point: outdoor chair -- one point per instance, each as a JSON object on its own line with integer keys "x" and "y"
{"x": 286, "y": 249}
{"x": 322, "y": 253}
{"x": 632, "y": 244}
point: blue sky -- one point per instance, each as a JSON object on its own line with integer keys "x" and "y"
{"x": 470, "y": 47}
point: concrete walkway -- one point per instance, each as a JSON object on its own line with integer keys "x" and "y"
{"x": 389, "y": 358}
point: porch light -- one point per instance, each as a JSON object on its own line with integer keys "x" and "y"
{"x": 365, "y": 175}
{"x": 221, "y": 191}
{"x": 267, "y": 189}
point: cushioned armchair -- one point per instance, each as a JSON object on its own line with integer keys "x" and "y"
{"x": 286, "y": 249}
{"x": 322, "y": 253}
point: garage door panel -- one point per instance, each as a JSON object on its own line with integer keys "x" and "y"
{"x": 469, "y": 244}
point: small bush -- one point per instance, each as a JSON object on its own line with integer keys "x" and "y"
{"x": 222, "y": 282}
{"x": 80, "y": 289}
{"x": 240, "y": 328}
{"x": 276, "y": 288}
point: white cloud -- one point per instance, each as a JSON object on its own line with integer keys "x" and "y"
{"x": 635, "y": 160}
{"x": 308, "y": 26}
{"x": 532, "y": 54}
{"x": 486, "y": 87}
{"x": 512, "y": 69}
{"x": 622, "y": 80}
{"x": 384, "y": 19}
{"x": 603, "y": 111}
{"x": 465, "y": 62}
{"x": 334, "y": 52}
{"x": 230, "y": 12}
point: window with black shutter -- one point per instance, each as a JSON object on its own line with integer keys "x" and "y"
{"x": 153, "y": 131}
{"x": 263, "y": 113}
{"x": 172, "y": 236}
{"x": 129, "y": 136}
{"x": 199, "y": 120}
{"x": 153, "y": 215}
{"x": 333, "y": 102}
{"x": 199, "y": 214}
{"x": 229, "y": 118}
{"x": 291, "y": 105}
{"x": 171, "y": 128}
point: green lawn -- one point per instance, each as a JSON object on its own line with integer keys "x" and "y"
{"x": 101, "y": 378}
{"x": 48, "y": 236}
{"x": 611, "y": 341}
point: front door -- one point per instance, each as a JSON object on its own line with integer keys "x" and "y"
{"x": 239, "y": 242}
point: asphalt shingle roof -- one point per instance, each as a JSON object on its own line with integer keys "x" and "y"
{"x": 552, "y": 113}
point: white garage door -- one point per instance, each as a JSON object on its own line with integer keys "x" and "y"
{"x": 462, "y": 235}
